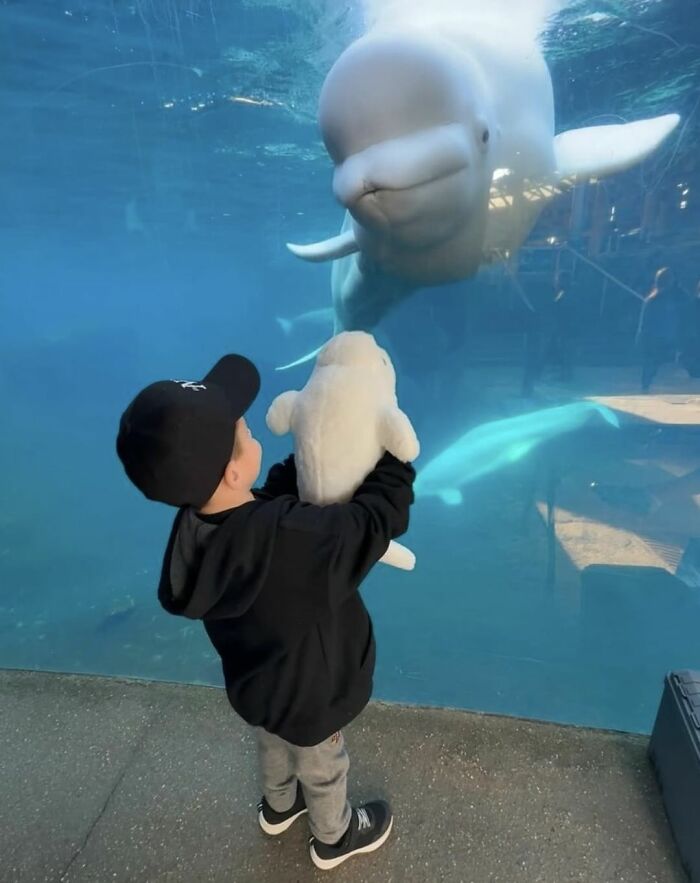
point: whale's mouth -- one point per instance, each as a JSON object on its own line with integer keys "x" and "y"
{"x": 407, "y": 193}
{"x": 400, "y": 164}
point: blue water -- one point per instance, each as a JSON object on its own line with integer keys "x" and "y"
{"x": 143, "y": 228}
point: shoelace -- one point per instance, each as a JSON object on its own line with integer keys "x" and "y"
{"x": 364, "y": 819}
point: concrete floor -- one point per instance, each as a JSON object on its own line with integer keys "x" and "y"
{"x": 113, "y": 780}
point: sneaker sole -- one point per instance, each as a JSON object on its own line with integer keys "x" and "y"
{"x": 329, "y": 864}
{"x": 280, "y": 828}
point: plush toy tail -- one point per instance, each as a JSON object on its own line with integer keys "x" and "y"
{"x": 399, "y": 556}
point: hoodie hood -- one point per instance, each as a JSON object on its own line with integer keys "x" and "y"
{"x": 209, "y": 557}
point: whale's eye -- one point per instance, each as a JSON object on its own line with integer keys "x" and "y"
{"x": 485, "y": 136}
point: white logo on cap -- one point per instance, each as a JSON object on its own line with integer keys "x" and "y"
{"x": 190, "y": 384}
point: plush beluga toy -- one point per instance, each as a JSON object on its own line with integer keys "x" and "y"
{"x": 343, "y": 421}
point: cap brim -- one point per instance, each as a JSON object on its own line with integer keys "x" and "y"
{"x": 239, "y": 379}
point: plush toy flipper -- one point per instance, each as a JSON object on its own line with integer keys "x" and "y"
{"x": 279, "y": 415}
{"x": 398, "y": 436}
{"x": 399, "y": 556}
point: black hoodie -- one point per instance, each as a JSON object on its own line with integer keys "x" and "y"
{"x": 275, "y": 582}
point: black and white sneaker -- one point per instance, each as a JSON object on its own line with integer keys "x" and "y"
{"x": 370, "y": 826}
{"x": 277, "y": 822}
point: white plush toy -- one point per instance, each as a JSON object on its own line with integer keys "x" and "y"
{"x": 343, "y": 421}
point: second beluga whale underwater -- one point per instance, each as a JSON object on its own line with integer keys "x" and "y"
{"x": 440, "y": 124}
{"x": 500, "y": 443}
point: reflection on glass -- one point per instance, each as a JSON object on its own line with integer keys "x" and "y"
{"x": 157, "y": 159}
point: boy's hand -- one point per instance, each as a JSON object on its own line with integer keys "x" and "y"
{"x": 281, "y": 480}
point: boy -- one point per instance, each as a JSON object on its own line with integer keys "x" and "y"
{"x": 275, "y": 582}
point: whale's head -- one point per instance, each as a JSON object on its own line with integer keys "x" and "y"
{"x": 359, "y": 351}
{"x": 406, "y": 123}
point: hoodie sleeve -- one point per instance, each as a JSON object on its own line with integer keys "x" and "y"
{"x": 349, "y": 538}
{"x": 281, "y": 480}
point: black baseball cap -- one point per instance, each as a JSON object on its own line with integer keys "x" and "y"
{"x": 176, "y": 436}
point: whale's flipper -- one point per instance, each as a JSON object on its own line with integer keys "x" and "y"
{"x": 599, "y": 151}
{"x": 329, "y": 250}
{"x": 307, "y": 358}
{"x": 399, "y": 556}
{"x": 285, "y": 324}
{"x": 608, "y": 415}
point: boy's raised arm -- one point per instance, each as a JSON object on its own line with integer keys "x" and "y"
{"x": 349, "y": 538}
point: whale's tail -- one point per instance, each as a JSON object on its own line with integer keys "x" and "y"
{"x": 285, "y": 324}
{"x": 528, "y": 17}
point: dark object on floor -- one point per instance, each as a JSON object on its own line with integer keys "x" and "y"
{"x": 633, "y": 499}
{"x": 675, "y": 753}
{"x": 116, "y": 617}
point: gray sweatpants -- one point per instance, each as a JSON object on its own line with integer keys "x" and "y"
{"x": 323, "y": 773}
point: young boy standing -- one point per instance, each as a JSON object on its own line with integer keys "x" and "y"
{"x": 275, "y": 582}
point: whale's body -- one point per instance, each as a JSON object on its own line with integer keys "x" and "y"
{"x": 495, "y": 445}
{"x": 441, "y": 129}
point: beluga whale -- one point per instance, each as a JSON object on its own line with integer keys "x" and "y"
{"x": 499, "y": 443}
{"x": 440, "y": 124}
